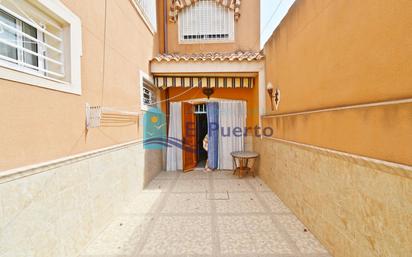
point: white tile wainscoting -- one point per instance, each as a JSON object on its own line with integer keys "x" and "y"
{"x": 55, "y": 209}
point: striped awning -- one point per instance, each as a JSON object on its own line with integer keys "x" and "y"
{"x": 213, "y": 82}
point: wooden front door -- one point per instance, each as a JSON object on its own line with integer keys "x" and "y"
{"x": 189, "y": 137}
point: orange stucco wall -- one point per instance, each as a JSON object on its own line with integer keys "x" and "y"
{"x": 40, "y": 124}
{"x": 337, "y": 53}
{"x": 247, "y": 31}
{"x": 245, "y": 94}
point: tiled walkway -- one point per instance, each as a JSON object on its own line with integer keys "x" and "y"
{"x": 197, "y": 214}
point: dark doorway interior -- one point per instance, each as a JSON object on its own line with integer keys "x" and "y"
{"x": 201, "y": 127}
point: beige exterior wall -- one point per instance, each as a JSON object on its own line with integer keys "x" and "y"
{"x": 338, "y": 53}
{"x": 247, "y": 33}
{"x": 328, "y": 54}
{"x": 41, "y": 124}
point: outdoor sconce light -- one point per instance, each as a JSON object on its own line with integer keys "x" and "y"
{"x": 274, "y": 96}
{"x": 208, "y": 92}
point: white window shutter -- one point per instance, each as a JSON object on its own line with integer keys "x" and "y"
{"x": 206, "y": 21}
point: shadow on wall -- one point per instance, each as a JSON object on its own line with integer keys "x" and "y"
{"x": 153, "y": 165}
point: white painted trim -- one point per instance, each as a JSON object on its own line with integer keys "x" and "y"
{"x": 146, "y": 21}
{"x": 188, "y": 42}
{"x": 204, "y": 100}
{"x": 206, "y": 67}
{"x": 35, "y": 80}
{"x": 348, "y": 107}
{"x": 262, "y": 95}
{"x": 17, "y": 173}
{"x": 72, "y": 64}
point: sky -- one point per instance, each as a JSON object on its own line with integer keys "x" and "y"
{"x": 272, "y": 13}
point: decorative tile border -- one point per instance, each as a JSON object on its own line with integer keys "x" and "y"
{"x": 13, "y": 174}
{"x": 385, "y": 166}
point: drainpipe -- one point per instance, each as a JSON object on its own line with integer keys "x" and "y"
{"x": 165, "y": 28}
{"x": 166, "y": 50}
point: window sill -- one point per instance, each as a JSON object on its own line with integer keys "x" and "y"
{"x": 206, "y": 42}
{"x": 144, "y": 108}
{"x": 16, "y": 75}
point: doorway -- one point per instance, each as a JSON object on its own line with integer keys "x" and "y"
{"x": 201, "y": 132}
{"x": 189, "y": 124}
{"x": 195, "y": 128}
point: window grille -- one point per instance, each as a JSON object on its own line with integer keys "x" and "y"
{"x": 200, "y": 109}
{"x": 148, "y": 8}
{"x": 149, "y": 97}
{"x": 206, "y": 20}
{"x": 30, "y": 40}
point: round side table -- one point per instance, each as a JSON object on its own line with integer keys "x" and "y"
{"x": 241, "y": 162}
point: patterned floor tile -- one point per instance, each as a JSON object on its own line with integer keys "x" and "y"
{"x": 245, "y": 223}
{"x": 304, "y": 240}
{"x": 237, "y": 243}
{"x": 262, "y": 223}
{"x": 256, "y": 232}
{"x": 195, "y": 174}
{"x": 271, "y": 243}
{"x": 191, "y": 185}
{"x": 168, "y": 175}
{"x": 120, "y": 237}
{"x": 231, "y": 185}
{"x": 274, "y": 203}
{"x": 158, "y": 185}
{"x": 258, "y": 185}
{"x": 239, "y": 203}
{"x": 174, "y": 216}
{"x": 187, "y": 203}
{"x": 180, "y": 236}
{"x": 223, "y": 174}
{"x": 231, "y": 224}
{"x": 144, "y": 203}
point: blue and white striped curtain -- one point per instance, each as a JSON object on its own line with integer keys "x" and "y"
{"x": 213, "y": 134}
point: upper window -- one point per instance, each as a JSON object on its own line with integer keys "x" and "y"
{"x": 206, "y": 21}
{"x": 147, "y": 9}
{"x": 41, "y": 39}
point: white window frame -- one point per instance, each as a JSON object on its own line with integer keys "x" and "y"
{"x": 231, "y": 38}
{"x": 73, "y": 52}
{"x": 146, "y": 16}
{"x": 145, "y": 77}
{"x": 20, "y": 53}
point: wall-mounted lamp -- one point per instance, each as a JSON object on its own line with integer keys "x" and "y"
{"x": 208, "y": 92}
{"x": 274, "y": 96}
